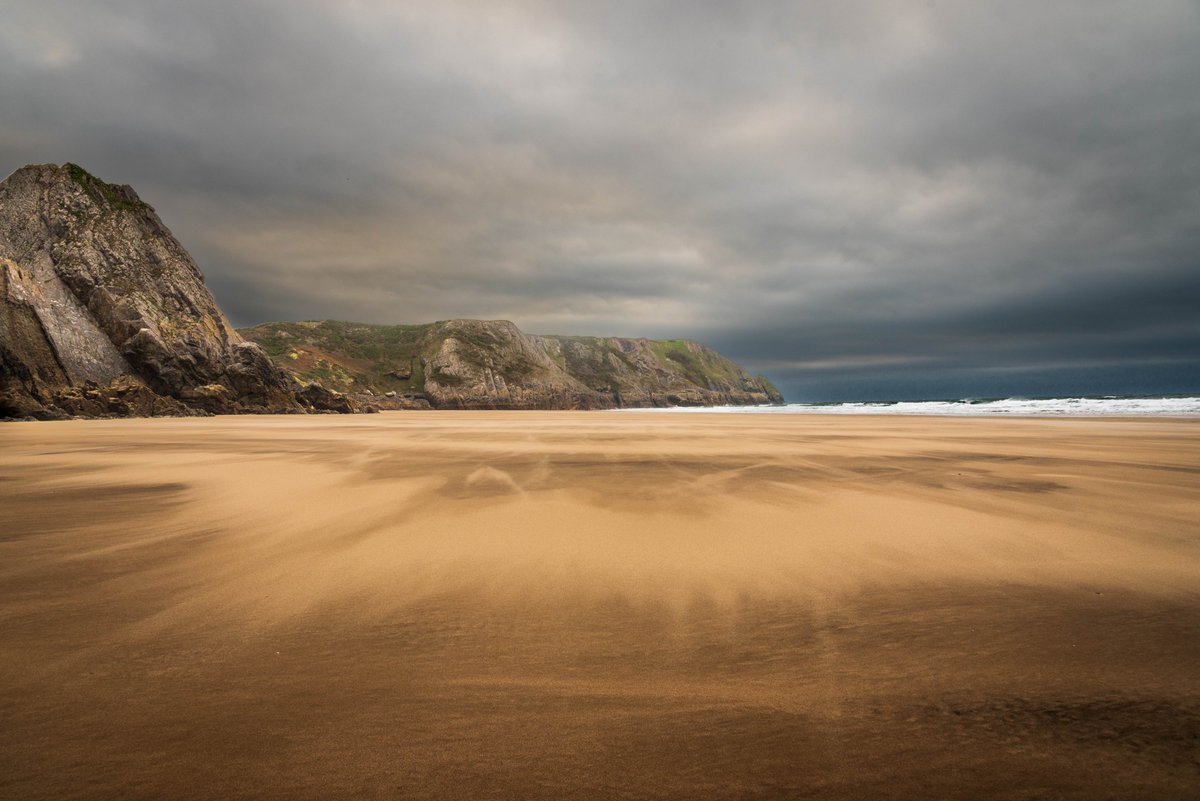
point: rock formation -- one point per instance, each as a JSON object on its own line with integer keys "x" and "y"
{"x": 481, "y": 364}
{"x": 103, "y": 313}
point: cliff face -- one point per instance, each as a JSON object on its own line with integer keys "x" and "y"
{"x": 102, "y": 311}
{"x": 474, "y": 364}
{"x": 659, "y": 372}
{"x": 493, "y": 364}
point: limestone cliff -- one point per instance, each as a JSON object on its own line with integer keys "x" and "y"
{"x": 103, "y": 312}
{"x": 472, "y": 364}
{"x": 659, "y": 372}
{"x": 493, "y": 364}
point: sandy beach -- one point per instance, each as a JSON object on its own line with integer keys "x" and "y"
{"x": 562, "y": 605}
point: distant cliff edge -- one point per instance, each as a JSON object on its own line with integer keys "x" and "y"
{"x": 492, "y": 364}
{"x": 104, "y": 314}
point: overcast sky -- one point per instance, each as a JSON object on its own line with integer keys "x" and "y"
{"x": 861, "y": 200}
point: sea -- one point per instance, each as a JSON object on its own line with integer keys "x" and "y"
{"x": 1097, "y": 406}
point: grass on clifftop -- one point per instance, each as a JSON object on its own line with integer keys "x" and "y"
{"x": 102, "y": 192}
{"x": 347, "y": 357}
{"x": 352, "y": 357}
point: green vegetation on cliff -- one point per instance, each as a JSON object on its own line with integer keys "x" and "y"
{"x": 346, "y": 356}
{"x": 474, "y": 363}
{"x": 117, "y": 197}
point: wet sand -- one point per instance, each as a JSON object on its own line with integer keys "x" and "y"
{"x": 598, "y": 606}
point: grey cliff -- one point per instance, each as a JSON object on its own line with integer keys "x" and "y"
{"x": 103, "y": 312}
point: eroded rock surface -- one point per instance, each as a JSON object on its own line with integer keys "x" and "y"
{"x": 103, "y": 312}
{"x": 492, "y": 364}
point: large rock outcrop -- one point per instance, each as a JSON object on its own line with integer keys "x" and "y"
{"x": 491, "y": 364}
{"x": 481, "y": 364}
{"x": 659, "y": 372}
{"x": 103, "y": 312}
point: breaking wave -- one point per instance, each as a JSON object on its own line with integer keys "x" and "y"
{"x": 1169, "y": 406}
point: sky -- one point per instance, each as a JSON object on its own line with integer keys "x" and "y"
{"x": 861, "y": 200}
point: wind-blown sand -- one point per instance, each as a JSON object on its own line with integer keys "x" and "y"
{"x": 600, "y": 605}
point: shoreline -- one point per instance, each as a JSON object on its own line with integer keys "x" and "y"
{"x": 537, "y": 605}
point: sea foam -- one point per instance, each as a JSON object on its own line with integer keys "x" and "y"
{"x": 1036, "y": 407}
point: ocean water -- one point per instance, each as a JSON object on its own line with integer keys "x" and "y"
{"x": 1172, "y": 406}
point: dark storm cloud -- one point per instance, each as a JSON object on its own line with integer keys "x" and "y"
{"x": 855, "y": 198}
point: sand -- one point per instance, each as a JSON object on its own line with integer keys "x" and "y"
{"x": 566, "y": 605}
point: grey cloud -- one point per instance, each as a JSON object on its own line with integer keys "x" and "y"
{"x": 850, "y": 196}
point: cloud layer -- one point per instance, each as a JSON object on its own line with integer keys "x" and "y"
{"x": 872, "y": 199}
